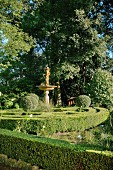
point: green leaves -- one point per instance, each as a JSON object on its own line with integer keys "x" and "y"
{"x": 100, "y": 88}
{"x": 68, "y": 71}
{"x": 10, "y": 9}
{"x": 15, "y": 40}
{"x": 66, "y": 40}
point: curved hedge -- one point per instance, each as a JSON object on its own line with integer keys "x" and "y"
{"x": 51, "y": 154}
{"x": 55, "y": 122}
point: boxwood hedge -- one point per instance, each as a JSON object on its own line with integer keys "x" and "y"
{"x": 55, "y": 122}
{"x": 51, "y": 154}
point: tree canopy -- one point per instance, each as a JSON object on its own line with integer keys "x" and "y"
{"x": 72, "y": 37}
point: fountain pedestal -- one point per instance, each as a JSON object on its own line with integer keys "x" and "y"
{"x": 46, "y": 88}
{"x": 46, "y": 99}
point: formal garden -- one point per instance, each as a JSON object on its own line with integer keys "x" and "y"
{"x": 56, "y": 85}
{"x": 41, "y": 136}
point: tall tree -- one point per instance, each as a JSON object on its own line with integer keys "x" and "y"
{"x": 14, "y": 41}
{"x": 104, "y": 8}
{"x": 68, "y": 40}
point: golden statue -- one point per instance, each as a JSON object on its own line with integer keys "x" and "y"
{"x": 47, "y": 75}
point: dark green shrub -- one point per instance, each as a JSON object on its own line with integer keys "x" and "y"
{"x": 33, "y": 95}
{"x": 26, "y": 103}
{"x": 52, "y": 154}
{"x": 29, "y": 102}
{"x": 8, "y": 101}
{"x": 35, "y": 100}
{"x": 83, "y": 101}
{"x": 8, "y": 104}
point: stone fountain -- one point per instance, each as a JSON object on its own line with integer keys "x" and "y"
{"x": 47, "y": 87}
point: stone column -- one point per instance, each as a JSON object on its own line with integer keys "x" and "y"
{"x": 46, "y": 97}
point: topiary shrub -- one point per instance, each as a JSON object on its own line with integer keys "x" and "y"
{"x": 26, "y": 103}
{"x": 29, "y": 102}
{"x": 83, "y": 101}
{"x": 33, "y": 95}
{"x": 35, "y": 100}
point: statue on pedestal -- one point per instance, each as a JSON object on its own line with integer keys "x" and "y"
{"x": 47, "y": 75}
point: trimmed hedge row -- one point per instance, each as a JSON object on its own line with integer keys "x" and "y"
{"x": 51, "y": 123}
{"x": 13, "y": 163}
{"x": 52, "y": 154}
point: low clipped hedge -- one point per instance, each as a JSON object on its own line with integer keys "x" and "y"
{"x": 57, "y": 122}
{"x": 51, "y": 154}
{"x": 13, "y": 163}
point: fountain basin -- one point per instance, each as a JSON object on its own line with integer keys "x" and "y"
{"x": 47, "y": 88}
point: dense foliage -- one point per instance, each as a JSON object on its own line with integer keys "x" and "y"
{"x": 53, "y": 154}
{"x": 40, "y": 123}
{"x": 100, "y": 88}
{"x": 83, "y": 101}
{"x": 29, "y": 102}
{"x": 75, "y": 39}
{"x": 73, "y": 43}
